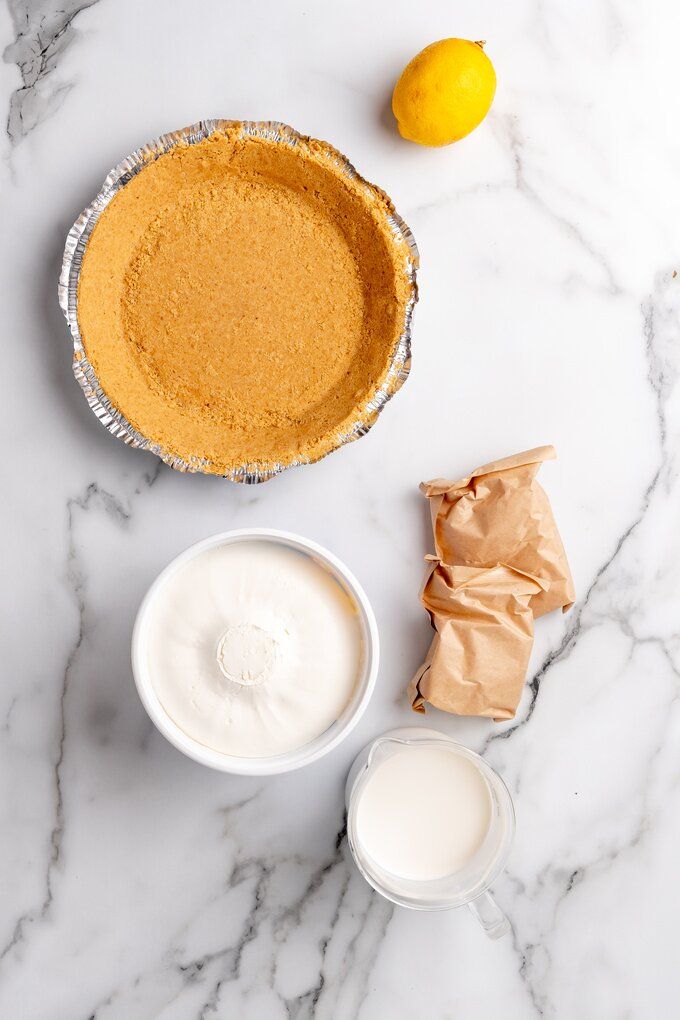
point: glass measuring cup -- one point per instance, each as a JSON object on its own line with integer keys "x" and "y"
{"x": 468, "y": 885}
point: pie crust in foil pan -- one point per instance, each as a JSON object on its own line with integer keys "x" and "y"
{"x": 76, "y": 243}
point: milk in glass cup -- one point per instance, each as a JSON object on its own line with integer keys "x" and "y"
{"x": 430, "y": 824}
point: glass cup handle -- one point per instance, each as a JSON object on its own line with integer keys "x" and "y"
{"x": 490, "y": 916}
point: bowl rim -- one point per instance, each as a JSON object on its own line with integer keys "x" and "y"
{"x": 289, "y": 760}
{"x": 74, "y": 250}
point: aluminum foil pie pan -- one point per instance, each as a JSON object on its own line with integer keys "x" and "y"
{"x": 76, "y": 243}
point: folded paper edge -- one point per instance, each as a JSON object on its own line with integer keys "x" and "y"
{"x": 539, "y": 454}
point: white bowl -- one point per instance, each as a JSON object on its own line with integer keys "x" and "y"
{"x": 290, "y": 760}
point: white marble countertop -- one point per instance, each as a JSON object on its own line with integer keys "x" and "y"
{"x": 136, "y": 884}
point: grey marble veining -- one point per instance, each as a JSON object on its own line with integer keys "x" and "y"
{"x": 136, "y": 884}
{"x": 43, "y": 30}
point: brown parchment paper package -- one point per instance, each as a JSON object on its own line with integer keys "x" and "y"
{"x": 499, "y": 562}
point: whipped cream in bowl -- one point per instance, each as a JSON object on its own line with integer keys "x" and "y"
{"x": 255, "y": 651}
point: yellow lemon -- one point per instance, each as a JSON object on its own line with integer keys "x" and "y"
{"x": 444, "y": 93}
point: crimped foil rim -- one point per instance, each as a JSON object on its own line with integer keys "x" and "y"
{"x": 76, "y": 243}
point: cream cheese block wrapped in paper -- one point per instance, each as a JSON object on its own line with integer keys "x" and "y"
{"x": 499, "y": 562}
